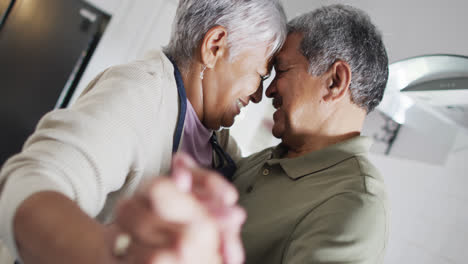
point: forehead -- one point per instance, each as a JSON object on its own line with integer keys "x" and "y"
{"x": 290, "y": 53}
{"x": 253, "y": 59}
{"x": 256, "y": 54}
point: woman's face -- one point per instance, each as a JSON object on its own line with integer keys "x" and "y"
{"x": 231, "y": 85}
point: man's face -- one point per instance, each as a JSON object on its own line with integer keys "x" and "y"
{"x": 297, "y": 95}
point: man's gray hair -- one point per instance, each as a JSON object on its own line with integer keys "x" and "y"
{"x": 249, "y": 23}
{"x": 340, "y": 32}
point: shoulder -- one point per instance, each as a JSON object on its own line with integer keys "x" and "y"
{"x": 153, "y": 72}
{"x": 353, "y": 206}
{"x": 156, "y": 64}
{"x": 361, "y": 206}
{"x": 370, "y": 177}
{"x": 349, "y": 227}
{"x": 356, "y": 174}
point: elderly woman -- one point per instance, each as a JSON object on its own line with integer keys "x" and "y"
{"x": 124, "y": 128}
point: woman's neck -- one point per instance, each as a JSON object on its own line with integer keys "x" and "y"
{"x": 194, "y": 89}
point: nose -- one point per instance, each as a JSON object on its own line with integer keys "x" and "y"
{"x": 257, "y": 96}
{"x": 271, "y": 90}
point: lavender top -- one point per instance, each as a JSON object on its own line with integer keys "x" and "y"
{"x": 196, "y": 138}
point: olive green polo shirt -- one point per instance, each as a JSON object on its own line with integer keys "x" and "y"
{"x": 328, "y": 206}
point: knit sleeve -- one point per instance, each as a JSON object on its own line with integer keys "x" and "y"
{"x": 86, "y": 151}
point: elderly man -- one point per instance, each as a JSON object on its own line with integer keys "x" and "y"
{"x": 316, "y": 198}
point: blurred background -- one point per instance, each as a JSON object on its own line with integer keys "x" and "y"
{"x": 51, "y": 49}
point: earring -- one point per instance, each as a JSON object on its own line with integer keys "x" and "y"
{"x": 202, "y": 73}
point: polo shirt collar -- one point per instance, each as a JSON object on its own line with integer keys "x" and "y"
{"x": 321, "y": 159}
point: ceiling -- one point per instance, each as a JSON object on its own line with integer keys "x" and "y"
{"x": 410, "y": 27}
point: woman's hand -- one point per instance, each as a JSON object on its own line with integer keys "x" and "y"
{"x": 189, "y": 217}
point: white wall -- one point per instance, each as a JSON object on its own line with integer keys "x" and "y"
{"x": 429, "y": 216}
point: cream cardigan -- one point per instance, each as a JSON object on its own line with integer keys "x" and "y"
{"x": 119, "y": 132}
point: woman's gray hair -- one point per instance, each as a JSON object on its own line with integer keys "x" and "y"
{"x": 249, "y": 23}
{"x": 340, "y": 32}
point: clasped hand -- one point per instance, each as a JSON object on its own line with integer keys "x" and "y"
{"x": 189, "y": 217}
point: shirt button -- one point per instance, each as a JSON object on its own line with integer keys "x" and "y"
{"x": 249, "y": 189}
{"x": 266, "y": 172}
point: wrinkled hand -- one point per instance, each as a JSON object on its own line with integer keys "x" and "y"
{"x": 191, "y": 217}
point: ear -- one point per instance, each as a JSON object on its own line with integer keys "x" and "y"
{"x": 338, "y": 81}
{"x": 213, "y": 46}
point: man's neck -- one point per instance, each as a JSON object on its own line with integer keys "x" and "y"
{"x": 345, "y": 123}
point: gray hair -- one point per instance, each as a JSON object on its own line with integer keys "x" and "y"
{"x": 340, "y": 32}
{"x": 249, "y": 23}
